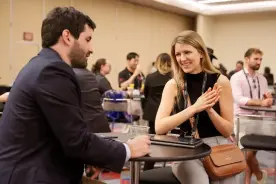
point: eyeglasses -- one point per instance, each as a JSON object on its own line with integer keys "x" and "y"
{"x": 254, "y": 84}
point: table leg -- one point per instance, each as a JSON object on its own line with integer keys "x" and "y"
{"x": 274, "y": 173}
{"x": 238, "y": 131}
{"x": 135, "y": 172}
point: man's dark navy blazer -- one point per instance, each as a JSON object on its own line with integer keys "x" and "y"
{"x": 43, "y": 138}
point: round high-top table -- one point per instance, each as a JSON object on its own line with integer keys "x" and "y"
{"x": 160, "y": 153}
{"x": 257, "y": 116}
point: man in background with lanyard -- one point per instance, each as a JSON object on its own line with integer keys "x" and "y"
{"x": 250, "y": 88}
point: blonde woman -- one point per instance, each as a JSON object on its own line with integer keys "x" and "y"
{"x": 191, "y": 67}
{"x": 154, "y": 85}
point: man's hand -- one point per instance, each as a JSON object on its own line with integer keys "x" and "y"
{"x": 267, "y": 102}
{"x": 94, "y": 170}
{"x": 124, "y": 86}
{"x": 138, "y": 70}
{"x": 139, "y": 146}
{"x": 267, "y": 95}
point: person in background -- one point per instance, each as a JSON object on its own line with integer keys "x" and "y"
{"x": 93, "y": 113}
{"x": 250, "y": 88}
{"x": 194, "y": 75}
{"x": 102, "y": 68}
{"x": 4, "y": 97}
{"x": 154, "y": 85}
{"x": 269, "y": 76}
{"x": 43, "y": 136}
{"x": 153, "y": 67}
{"x": 132, "y": 74}
{"x": 4, "y": 91}
{"x": 239, "y": 66}
{"x": 223, "y": 70}
{"x": 219, "y": 66}
{"x": 211, "y": 54}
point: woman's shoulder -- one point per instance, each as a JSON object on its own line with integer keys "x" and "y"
{"x": 223, "y": 81}
{"x": 171, "y": 83}
{"x": 171, "y": 86}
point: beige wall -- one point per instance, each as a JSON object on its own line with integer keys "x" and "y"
{"x": 204, "y": 27}
{"x": 234, "y": 34}
{"x": 5, "y": 41}
{"x": 121, "y": 28}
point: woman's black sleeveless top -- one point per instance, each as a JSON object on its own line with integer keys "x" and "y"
{"x": 194, "y": 84}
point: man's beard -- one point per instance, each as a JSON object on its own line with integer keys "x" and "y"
{"x": 77, "y": 56}
{"x": 255, "y": 67}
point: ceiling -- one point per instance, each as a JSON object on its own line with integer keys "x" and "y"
{"x": 225, "y": 2}
{"x": 209, "y": 7}
{"x": 161, "y": 6}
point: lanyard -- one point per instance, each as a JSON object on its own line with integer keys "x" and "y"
{"x": 185, "y": 92}
{"x": 250, "y": 89}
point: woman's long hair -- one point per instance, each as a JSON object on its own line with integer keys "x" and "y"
{"x": 163, "y": 63}
{"x": 194, "y": 39}
{"x": 96, "y": 68}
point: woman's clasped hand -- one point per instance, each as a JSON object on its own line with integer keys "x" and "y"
{"x": 208, "y": 99}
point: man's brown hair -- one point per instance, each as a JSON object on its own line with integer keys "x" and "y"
{"x": 251, "y": 51}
